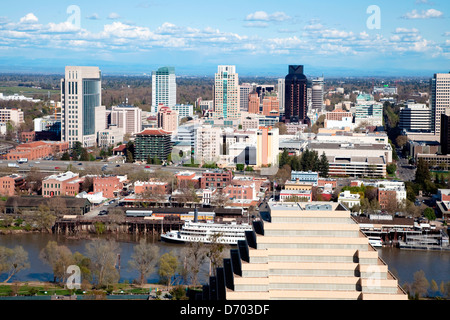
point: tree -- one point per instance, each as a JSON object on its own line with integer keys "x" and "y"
{"x": 433, "y": 286}
{"x": 59, "y": 258}
{"x": 220, "y": 199}
{"x": 59, "y": 206}
{"x": 65, "y": 156}
{"x": 12, "y": 261}
{"x": 324, "y": 166}
{"x": 283, "y": 174}
{"x": 188, "y": 196}
{"x": 284, "y": 158}
{"x": 144, "y": 259}
{"x": 103, "y": 256}
{"x": 84, "y": 264}
{"x": 84, "y": 156}
{"x": 168, "y": 266}
{"x": 429, "y": 214}
{"x": 401, "y": 141}
{"x": 197, "y": 253}
{"x": 130, "y": 158}
{"x": 77, "y": 150}
{"x": 44, "y": 218}
{"x": 420, "y": 285}
{"x": 371, "y": 193}
{"x": 423, "y": 172}
{"x": 281, "y": 127}
{"x": 215, "y": 252}
{"x": 391, "y": 168}
{"x": 130, "y": 148}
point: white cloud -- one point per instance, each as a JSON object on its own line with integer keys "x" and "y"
{"x": 113, "y": 16}
{"x": 333, "y": 33}
{"x": 256, "y": 24}
{"x": 314, "y": 26}
{"x": 264, "y": 16}
{"x": 29, "y": 18}
{"x": 428, "y": 14}
{"x": 94, "y": 16}
{"x": 424, "y": 2}
{"x": 404, "y": 30}
{"x": 62, "y": 27}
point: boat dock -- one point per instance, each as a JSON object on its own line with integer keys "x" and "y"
{"x": 426, "y": 242}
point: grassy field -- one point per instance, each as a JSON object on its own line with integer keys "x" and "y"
{"x": 49, "y": 289}
{"x": 26, "y": 91}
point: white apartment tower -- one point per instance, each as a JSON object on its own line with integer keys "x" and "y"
{"x": 207, "y": 144}
{"x": 440, "y": 99}
{"x": 82, "y": 114}
{"x": 317, "y": 93}
{"x": 164, "y": 88}
{"x": 226, "y": 93}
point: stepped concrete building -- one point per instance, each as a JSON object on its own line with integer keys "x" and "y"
{"x": 304, "y": 251}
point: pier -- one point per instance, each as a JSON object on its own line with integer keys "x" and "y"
{"x": 76, "y": 225}
{"x": 438, "y": 241}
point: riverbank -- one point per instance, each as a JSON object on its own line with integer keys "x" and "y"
{"x": 41, "y": 289}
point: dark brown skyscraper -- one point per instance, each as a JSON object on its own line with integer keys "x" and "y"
{"x": 296, "y": 95}
{"x": 445, "y": 132}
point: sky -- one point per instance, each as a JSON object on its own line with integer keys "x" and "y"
{"x": 329, "y": 37}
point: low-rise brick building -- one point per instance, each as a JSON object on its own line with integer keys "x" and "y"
{"x": 187, "y": 179}
{"x": 155, "y": 187}
{"x": 9, "y": 184}
{"x": 65, "y": 184}
{"x": 109, "y": 186}
{"x": 37, "y": 150}
{"x": 216, "y": 179}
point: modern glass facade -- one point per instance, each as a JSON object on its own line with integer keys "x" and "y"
{"x": 91, "y": 99}
{"x": 164, "y": 90}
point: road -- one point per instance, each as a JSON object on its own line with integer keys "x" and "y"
{"x": 405, "y": 172}
{"x": 55, "y": 166}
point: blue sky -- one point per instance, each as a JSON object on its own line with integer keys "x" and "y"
{"x": 260, "y": 37}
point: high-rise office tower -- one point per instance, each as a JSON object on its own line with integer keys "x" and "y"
{"x": 253, "y": 103}
{"x": 281, "y": 95}
{"x": 440, "y": 99}
{"x": 296, "y": 95}
{"x": 270, "y": 106}
{"x": 245, "y": 90}
{"x": 226, "y": 93}
{"x": 167, "y": 119}
{"x": 82, "y": 115}
{"x": 164, "y": 88}
{"x": 317, "y": 94}
{"x": 445, "y": 132}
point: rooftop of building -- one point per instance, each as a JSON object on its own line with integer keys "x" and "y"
{"x": 306, "y": 206}
{"x": 348, "y": 195}
{"x": 154, "y": 132}
{"x": 355, "y": 159}
{"x": 63, "y": 176}
{"x": 349, "y": 146}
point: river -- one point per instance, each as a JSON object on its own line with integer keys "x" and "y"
{"x": 39, "y": 271}
{"x": 402, "y": 263}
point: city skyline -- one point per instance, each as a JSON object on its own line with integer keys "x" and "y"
{"x": 260, "y": 38}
